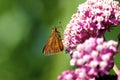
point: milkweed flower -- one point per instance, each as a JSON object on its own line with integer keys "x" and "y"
{"x": 95, "y": 55}
{"x": 67, "y": 75}
{"x": 77, "y": 74}
{"x": 92, "y": 19}
{"x": 84, "y": 40}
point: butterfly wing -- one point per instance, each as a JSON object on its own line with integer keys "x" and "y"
{"x": 54, "y": 44}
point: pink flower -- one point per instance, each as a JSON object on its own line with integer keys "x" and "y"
{"x": 92, "y": 19}
{"x": 95, "y": 55}
{"x": 118, "y": 75}
{"x": 84, "y": 40}
{"x": 67, "y": 75}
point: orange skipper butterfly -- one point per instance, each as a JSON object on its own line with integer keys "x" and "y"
{"x": 54, "y": 43}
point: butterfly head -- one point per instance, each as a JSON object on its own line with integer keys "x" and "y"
{"x": 54, "y": 29}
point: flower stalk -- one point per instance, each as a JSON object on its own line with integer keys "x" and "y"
{"x": 115, "y": 68}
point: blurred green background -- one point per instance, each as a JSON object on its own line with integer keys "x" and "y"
{"x": 25, "y": 26}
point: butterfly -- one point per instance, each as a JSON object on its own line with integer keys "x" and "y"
{"x": 54, "y": 43}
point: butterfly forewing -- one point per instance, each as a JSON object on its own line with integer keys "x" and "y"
{"x": 54, "y": 43}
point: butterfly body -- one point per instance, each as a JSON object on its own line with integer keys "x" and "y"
{"x": 54, "y": 43}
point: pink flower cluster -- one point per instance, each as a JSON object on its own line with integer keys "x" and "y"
{"x": 67, "y": 75}
{"x": 78, "y": 74}
{"x": 92, "y": 19}
{"x": 94, "y": 57}
{"x": 84, "y": 39}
